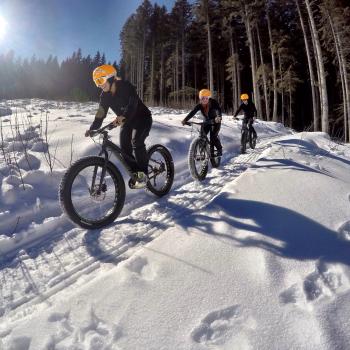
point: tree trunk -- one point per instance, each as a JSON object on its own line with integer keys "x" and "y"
{"x": 322, "y": 81}
{"x": 139, "y": 68}
{"x": 143, "y": 65}
{"x": 274, "y": 74}
{"x": 238, "y": 74}
{"x": 133, "y": 69}
{"x": 252, "y": 58}
{"x": 207, "y": 66}
{"x": 174, "y": 80}
{"x": 151, "y": 97}
{"x": 195, "y": 75}
{"x": 233, "y": 73}
{"x": 161, "y": 88}
{"x": 222, "y": 90}
{"x": 210, "y": 56}
{"x": 282, "y": 91}
{"x": 183, "y": 67}
{"x": 267, "y": 106}
{"x": 311, "y": 71}
{"x": 290, "y": 107}
{"x": 177, "y": 73}
{"x": 343, "y": 76}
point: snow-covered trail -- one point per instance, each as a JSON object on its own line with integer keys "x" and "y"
{"x": 256, "y": 257}
{"x": 46, "y": 266}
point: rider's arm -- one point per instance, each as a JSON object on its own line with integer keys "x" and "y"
{"x": 100, "y": 114}
{"x": 192, "y": 113}
{"x": 238, "y": 110}
{"x": 215, "y": 112}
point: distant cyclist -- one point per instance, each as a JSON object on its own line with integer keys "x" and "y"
{"x": 250, "y": 114}
{"x": 210, "y": 110}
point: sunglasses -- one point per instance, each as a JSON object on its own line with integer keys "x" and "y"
{"x": 100, "y": 81}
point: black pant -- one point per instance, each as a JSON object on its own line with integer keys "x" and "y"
{"x": 248, "y": 124}
{"x": 214, "y": 136}
{"x": 132, "y": 142}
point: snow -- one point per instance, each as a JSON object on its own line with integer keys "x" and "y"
{"x": 254, "y": 257}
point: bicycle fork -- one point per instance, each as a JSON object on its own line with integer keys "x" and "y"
{"x": 101, "y": 187}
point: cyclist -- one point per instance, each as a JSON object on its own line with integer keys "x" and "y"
{"x": 210, "y": 110}
{"x": 133, "y": 116}
{"x": 250, "y": 114}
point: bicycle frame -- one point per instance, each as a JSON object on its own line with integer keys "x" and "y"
{"x": 202, "y": 134}
{"x": 108, "y": 145}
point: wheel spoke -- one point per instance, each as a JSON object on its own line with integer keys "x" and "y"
{"x": 160, "y": 170}
{"x": 93, "y": 202}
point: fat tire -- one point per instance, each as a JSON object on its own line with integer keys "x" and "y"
{"x": 200, "y": 176}
{"x": 252, "y": 141}
{"x": 215, "y": 161}
{"x": 170, "y": 166}
{"x": 244, "y": 141}
{"x": 64, "y": 192}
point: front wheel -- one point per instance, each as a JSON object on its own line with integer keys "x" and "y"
{"x": 92, "y": 192}
{"x": 244, "y": 141}
{"x": 160, "y": 170}
{"x": 198, "y": 159}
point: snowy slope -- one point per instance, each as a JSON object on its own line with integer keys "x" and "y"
{"x": 255, "y": 257}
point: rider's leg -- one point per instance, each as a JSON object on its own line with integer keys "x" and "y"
{"x": 126, "y": 146}
{"x": 138, "y": 144}
{"x": 251, "y": 128}
{"x": 214, "y": 139}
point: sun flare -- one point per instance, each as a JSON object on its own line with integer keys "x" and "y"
{"x": 3, "y": 27}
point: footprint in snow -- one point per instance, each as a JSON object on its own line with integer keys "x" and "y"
{"x": 140, "y": 266}
{"x": 344, "y": 231}
{"x": 218, "y": 327}
{"x": 291, "y": 295}
{"x": 93, "y": 334}
{"x": 330, "y": 277}
{"x": 17, "y": 343}
{"x": 325, "y": 281}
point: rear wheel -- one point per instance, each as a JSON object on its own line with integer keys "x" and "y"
{"x": 91, "y": 194}
{"x": 160, "y": 170}
{"x": 198, "y": 159}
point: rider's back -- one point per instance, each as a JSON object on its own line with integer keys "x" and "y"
{"x": 125, "y": 102}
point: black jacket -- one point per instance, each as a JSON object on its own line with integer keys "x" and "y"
{"x": 213, "y": 112}
{"x": 248, "y": 109}
{"x": 124, "y": 102}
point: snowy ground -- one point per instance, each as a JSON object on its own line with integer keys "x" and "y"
{"x": 254, "y": 257}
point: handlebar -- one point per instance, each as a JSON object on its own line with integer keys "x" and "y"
{"x": 109, "y": 126}
{"x": 207, "y": 122}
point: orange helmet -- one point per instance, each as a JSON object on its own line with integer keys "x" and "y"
{"x": 102, "y": 73}
{"x": 244, "y": 97}
{"x": 204, "y": 93}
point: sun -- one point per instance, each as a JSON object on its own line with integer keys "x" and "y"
{"x": 3, "y": 27}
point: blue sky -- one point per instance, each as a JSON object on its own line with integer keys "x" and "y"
{"x": 59, "y": 27}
